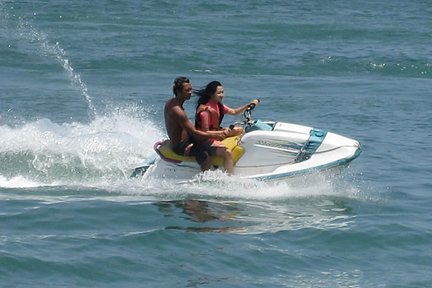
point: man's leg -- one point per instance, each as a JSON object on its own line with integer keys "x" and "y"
{"x": 202, "y": 156}
{"x": 206, "y": 164}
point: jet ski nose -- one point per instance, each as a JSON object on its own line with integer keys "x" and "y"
{"x": 358, "y": 150}
{"x": 357, "y": 144}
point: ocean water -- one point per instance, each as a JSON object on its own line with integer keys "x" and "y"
{"x": 82, "y": 87}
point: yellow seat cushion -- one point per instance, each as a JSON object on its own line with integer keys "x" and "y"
{"x": 230, "y": 142}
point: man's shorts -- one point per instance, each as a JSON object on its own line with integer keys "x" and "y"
{"x": 200, "y": 149}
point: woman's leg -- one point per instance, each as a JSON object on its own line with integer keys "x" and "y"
{"x": 227, "y": 154}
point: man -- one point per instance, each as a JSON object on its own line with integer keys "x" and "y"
{"x": 185, "y": 139}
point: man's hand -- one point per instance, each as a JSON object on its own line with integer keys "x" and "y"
{"x": 219, "y": 135}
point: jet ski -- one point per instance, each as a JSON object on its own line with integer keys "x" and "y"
{"x": 268, "y": 150}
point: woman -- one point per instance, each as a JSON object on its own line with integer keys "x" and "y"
{"x": 210, "y": 110}
{"x": 209, "y": 114}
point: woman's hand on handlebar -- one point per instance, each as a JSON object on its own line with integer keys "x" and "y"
{"x": 227, "y": 131}
{"x": 253, "y": 103}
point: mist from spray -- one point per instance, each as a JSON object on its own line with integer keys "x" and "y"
{"x": 46, "y": 153}
{"x": 27, "y": 32}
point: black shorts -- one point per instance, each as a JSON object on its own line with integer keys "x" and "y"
{"x": 200, "y": 149}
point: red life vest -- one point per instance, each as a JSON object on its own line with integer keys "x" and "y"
{"x": 216, "y": 112}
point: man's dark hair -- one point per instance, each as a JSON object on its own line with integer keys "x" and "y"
{"x": 178, "y": 84}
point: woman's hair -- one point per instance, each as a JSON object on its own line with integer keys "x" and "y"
{"x": 204, "y": 94}
{"x": 178, "y": 84}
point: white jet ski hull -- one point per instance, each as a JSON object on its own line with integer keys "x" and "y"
{"x": 272, "y": 151}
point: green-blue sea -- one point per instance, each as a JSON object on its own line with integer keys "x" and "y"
{"x": 82, "y": 88}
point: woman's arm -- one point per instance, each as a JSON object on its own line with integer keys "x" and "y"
{"x": 236, "y": 111}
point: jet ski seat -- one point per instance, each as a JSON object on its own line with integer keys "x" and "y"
{"x": 163, "y": 149}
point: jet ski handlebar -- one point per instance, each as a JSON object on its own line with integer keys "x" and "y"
{"x": 252, "y": 105}
{"x": 247, "y": 114}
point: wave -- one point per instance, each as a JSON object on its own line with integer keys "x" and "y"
{"x": 337, "y": 65}
{"x": 49, "y": 153}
